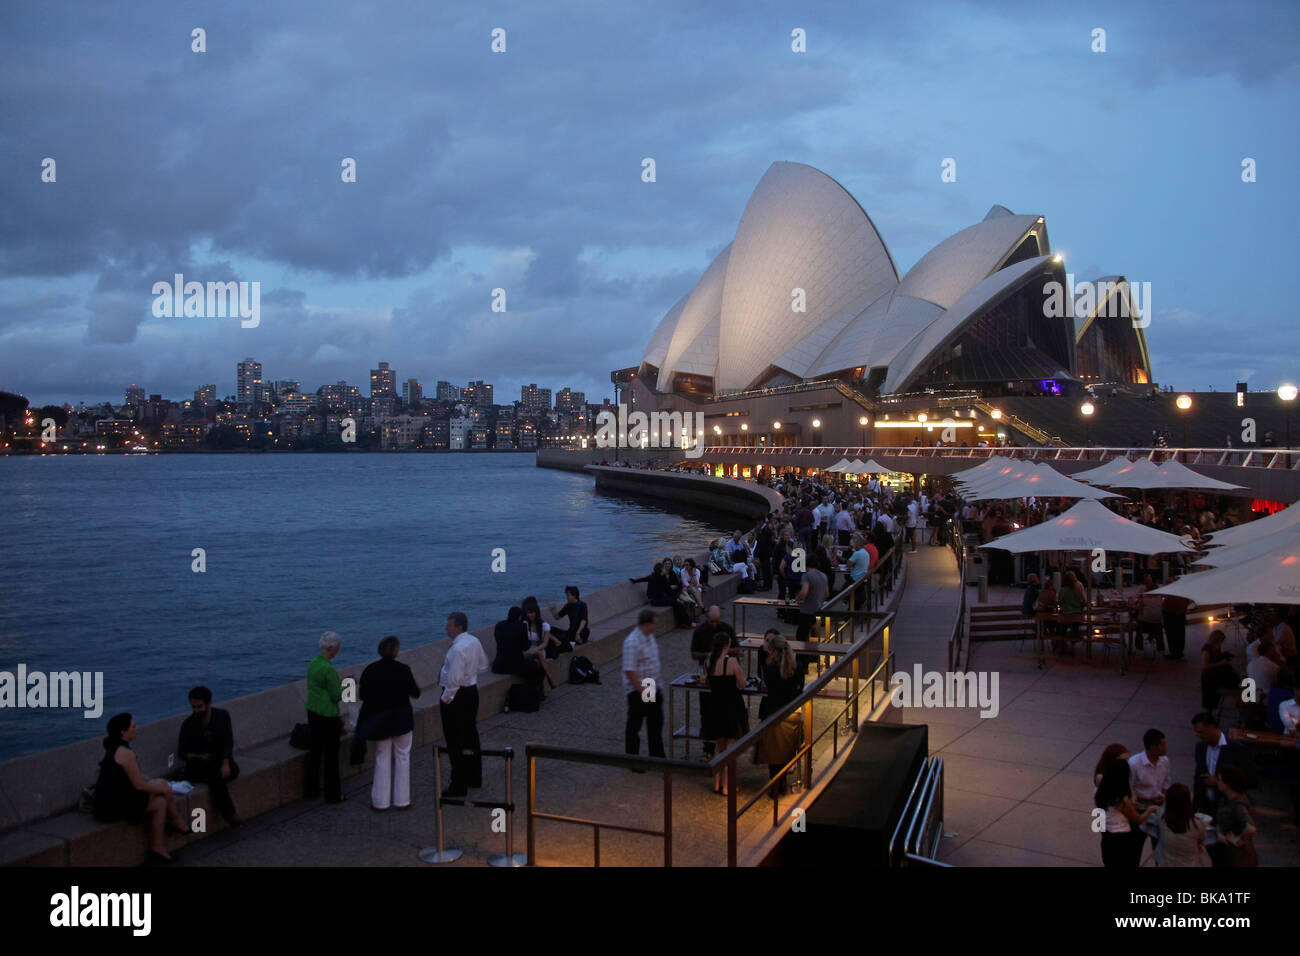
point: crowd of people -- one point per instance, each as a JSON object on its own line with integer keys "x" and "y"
{"x": 1210, "y": 823}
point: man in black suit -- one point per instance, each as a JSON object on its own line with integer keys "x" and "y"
{"x": 207, "y": 743}
{"x": 1214, "y": 752}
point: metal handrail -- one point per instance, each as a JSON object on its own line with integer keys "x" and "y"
{"x": 1287, "y": 459}
{"x": 664, "y": 765}
{"x": 846, "y": 667}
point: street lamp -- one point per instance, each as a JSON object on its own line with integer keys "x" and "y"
{"x": 817, "y": 431}
{"x": 1086, "y": 409}
{"x": 862, "y": 421}
{"x": 1184, "y": 402}
{"x": 744, "y": 429}
{"x": 1287, "y": 393}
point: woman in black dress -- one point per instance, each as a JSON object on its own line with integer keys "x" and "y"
{"x": 724, "y": 717}
{"x": 122, "y": 792}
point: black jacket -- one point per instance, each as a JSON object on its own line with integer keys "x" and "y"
{"x": 217, "y": 739}
{"x": 1230, "y": 754}
{"x": 512, "y": 639}
{"x": 387, "y": 687}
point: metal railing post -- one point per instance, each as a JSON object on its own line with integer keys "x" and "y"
{"x": 510, "y": 857}
{"x": 668, "y": 818}
{"x": 731, "y": 811}
{"x": 438, "y": 854}
{"x": 532, "y": 806}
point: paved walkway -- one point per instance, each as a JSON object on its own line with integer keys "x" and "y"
{"x": 585, "y": 716}
{"x": 1018, "y": 786}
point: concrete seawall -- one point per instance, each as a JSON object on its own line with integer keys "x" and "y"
{"x": 746, "y": 499}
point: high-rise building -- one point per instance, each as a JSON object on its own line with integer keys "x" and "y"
{"x": 205, "y": 395}
{"x": 570, "y": 401}
{"x": 343, "y": 396}
{"x": 285, "y": 387}
{"x": 477, "y": 393}
{"x": 535, "y": 399}
{"x": 448, "y": 392}
{"x": 383, "y": 382}
{"x": 412, "y": 392}
{"x": 248, "y": 382}
{"x": 135, "y": 395}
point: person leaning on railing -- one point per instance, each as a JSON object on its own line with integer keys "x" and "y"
{"x": 783, "y": 680}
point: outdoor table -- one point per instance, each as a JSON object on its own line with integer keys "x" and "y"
{"x": 1086, "y": 620}
{"x": 699, "y": 684}
{"x": 752, "y": 644}
{"x": 747, "y": 601}
{"x": 1268, "y": 738}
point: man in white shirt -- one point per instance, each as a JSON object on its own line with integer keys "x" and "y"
{"x": 1149, "y": 770}
{"x": 1264, "y": 668}
{"x": 844, "y": 524}
{"x": 822, "y": 516}
{"x": 913, "y": 520}
{"x": 458, "y": 705}
{"x": 1289, "y": 712}
{"x": 641, "y": 686}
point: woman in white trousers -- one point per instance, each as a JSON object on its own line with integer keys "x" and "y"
{"x": 386, "y": 719}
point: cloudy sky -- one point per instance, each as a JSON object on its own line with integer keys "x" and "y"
{"x": 522, "y": 171}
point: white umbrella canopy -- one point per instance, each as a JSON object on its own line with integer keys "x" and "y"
{"x": 1272, "y": 578}
{"x": 873, "y": 467}
{"x": 1249, "y": 550}
{"x": 1173, "y": 475}
{"x": 1103, "y": 471}
{"x": 1039, "y": 481}
{"x": 985, "y": 467}
{"x": 1127, "y": 472}
{"x": 841, "y": 465}
{"x": 1258, "y": 528}
{"x": 996, "y": 477}
{"x": 1086, "y": 527}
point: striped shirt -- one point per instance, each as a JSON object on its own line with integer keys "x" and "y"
{"x": 641, "y": 656}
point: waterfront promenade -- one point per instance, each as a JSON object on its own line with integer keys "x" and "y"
{"x": 1018, "y": 787}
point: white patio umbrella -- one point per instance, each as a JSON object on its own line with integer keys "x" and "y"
{"x": 1249, "y": 550}
{"x": 1172, "y": 476}
{"x": 1103, "y": 471}
{"x": 1086, "y": 527}
{"x": 985, "y": 467}
{"x": 1125, "y": 473}
{"x": 999, "y": 476}
{"x": 873, "y": 467}
{"x": 1039, "y": 481}
{"x": 1272, "y": 578}
{"x": 1258, "y": 528}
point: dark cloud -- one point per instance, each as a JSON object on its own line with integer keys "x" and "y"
{"x": 522, "y": 171}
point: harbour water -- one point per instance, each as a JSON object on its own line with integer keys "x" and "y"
{"x": 97, "y": 557}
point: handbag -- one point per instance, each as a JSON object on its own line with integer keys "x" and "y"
{"x": 300, "y": 737}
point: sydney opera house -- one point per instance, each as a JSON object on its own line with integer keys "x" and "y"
{"x": 803, "y": 324}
